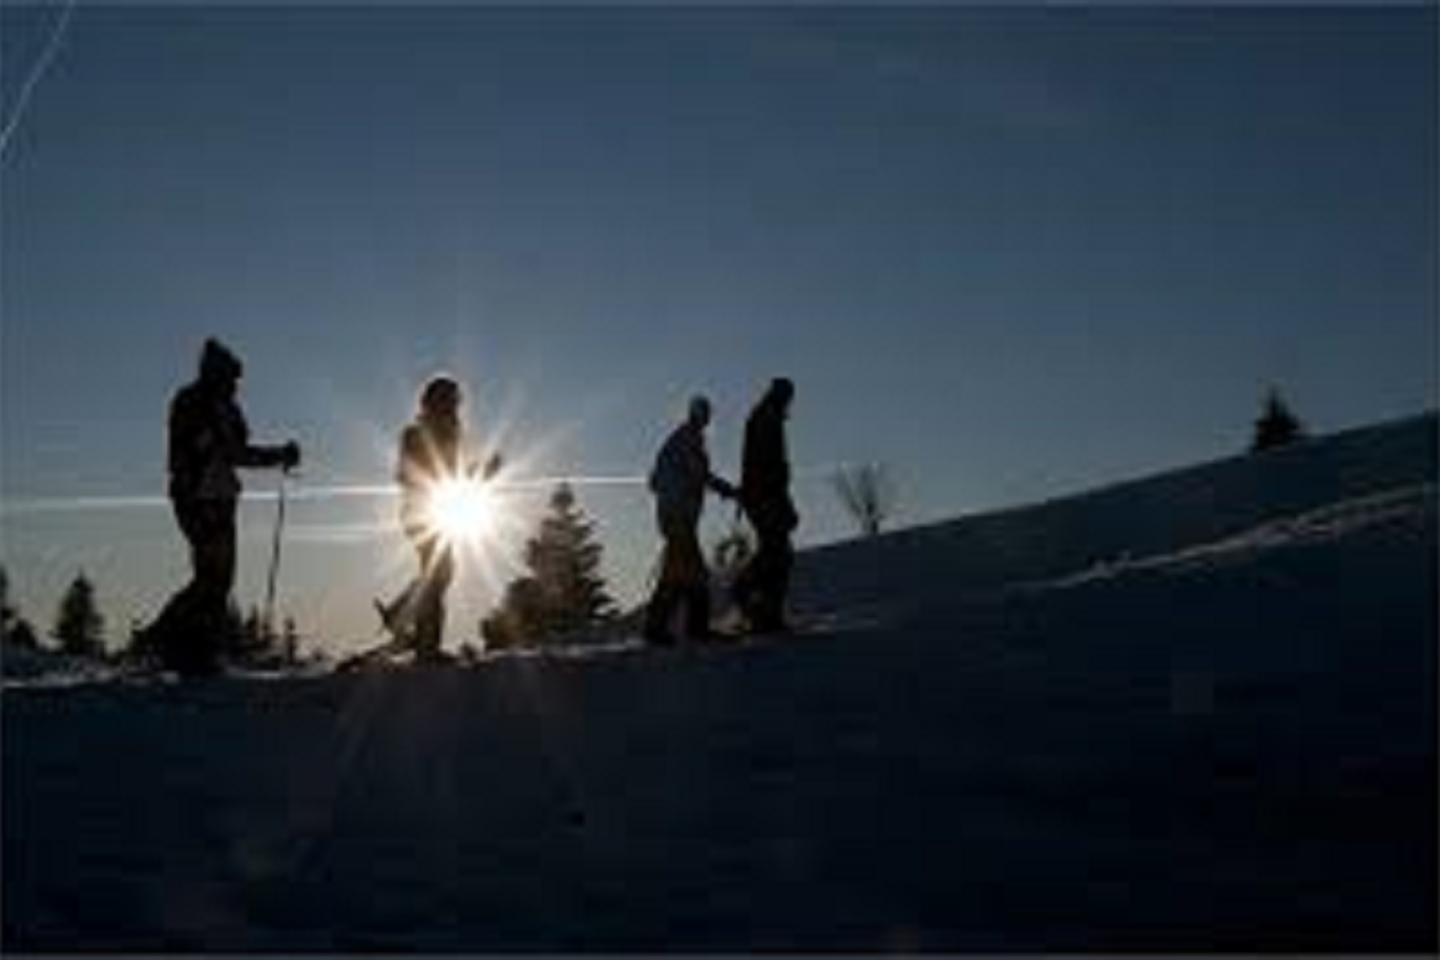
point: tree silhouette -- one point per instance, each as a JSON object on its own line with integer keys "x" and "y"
{"x": 1277, "y": 426}
{"x": 14, "y": 629}
{"x": 8, "y": 614}
{"x": 79, "y": 626}
{"x": 22, "y": 635}
{"x": 519, "y": 618}
{"x": 868, "y": 495}
{"x": 290, "y": 642}
{"x": 252, "y": 641}
{"x": 563, "y": 590}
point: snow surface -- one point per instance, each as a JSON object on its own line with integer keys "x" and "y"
{"x": 1191, "y": 712}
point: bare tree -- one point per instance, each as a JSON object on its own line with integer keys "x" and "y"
{"x": 868, "y": 495}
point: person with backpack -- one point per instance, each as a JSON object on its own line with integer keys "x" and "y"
{"x": 431, "y": 453}
{"x": 679, "y": 478}
{"x": 209, "y": 441}
{"x": 761, "y": 588}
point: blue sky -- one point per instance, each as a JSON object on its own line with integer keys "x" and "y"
{"x": 1010, "y": 253}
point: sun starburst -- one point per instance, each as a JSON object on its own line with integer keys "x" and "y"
{"x": 461, "y": 510}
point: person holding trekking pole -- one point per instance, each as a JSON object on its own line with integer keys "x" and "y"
{"x": 208, "y": 441}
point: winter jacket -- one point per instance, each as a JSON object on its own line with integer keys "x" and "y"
{"x": 209, "y": 440}
{"x": 679, "y": 478}
{"x": 765, "y": 470}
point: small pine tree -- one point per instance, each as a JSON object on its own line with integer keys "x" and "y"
{"x": 290, "y": 642}
{"x": 22, "y": 635}
{"x": 520, "y": 618}
{"x": 251, "y": 640}
{"x": 566, "y": 563}
{"x": 15, "y": 630}
{"x": 79, "y": 626}
{"x": 1277, "y": 426}
{"x": 7, "y": 612}
{"x": 9, "y": 616}
{"x": 564, "y": 590}
{"x": 139, "y": 645}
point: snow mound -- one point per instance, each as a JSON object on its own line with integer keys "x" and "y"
{"x": 22, "y": 665}
{"x": 981, "y": 555}
{"x": 1412, "y": 507}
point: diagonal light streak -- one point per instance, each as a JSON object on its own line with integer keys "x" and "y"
{"x": 42, "y": 65}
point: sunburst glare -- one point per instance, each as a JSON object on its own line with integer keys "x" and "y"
{"x": 462, "y": 510}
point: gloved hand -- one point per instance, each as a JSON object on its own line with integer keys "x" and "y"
{"x": 290, "y": 455}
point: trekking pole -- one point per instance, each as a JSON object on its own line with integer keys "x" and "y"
{"x": 275, "y": 553}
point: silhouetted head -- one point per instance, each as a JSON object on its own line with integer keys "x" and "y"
{"x": 778, "y": 397}
{"x": 220, "y": 369}
{"x": 699, "y": 416}
{"x": 782, "y": 391}
{"x": 440, "y": 400}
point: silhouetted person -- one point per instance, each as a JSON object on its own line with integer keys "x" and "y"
{"x": 208, "y": 441}
{"x": 679, "y": 479}
{"x": 761, "y": 588}
{"x": 431, "y": 452}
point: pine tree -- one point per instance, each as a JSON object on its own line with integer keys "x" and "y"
{"x": 1276, "y": 426}
{"x": 8, "y": 614}
{"x": 22, "y": 635}
{"x": 79, "y": 626}
{"x": 520, "y": 617}
{"x": 564, "y": 590}
{"x": 290, "y": 642}
{"x": 251, "y": 640}
{"x": 14, "y": 629}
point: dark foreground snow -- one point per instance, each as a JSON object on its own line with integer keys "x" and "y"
{"x": 1222, "y": 743}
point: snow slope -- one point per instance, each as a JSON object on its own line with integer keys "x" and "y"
{"x": 1193, "y": 712}
{"x": 1151, "y": 516}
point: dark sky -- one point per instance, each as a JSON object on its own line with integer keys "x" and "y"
{"x": 1008, "y": 253}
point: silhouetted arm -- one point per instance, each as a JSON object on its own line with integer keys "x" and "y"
{"x": 722, "y": 486}
{"x": 246, "y": 454}
{"x": 487, "y": 472}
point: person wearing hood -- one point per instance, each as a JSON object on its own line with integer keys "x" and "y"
{"x": 761, "y": 588}
{"x": 209, "y": 441}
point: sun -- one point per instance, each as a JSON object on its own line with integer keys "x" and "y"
{"x": 461, "y": 510}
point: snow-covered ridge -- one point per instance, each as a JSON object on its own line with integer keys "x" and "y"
{"x": 1159, "y": 516}
{"x": 1416, "y": 505}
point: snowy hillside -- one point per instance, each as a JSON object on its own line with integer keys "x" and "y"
{"x": 1195, "y": 712}
{"x": 975, "y": 555}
